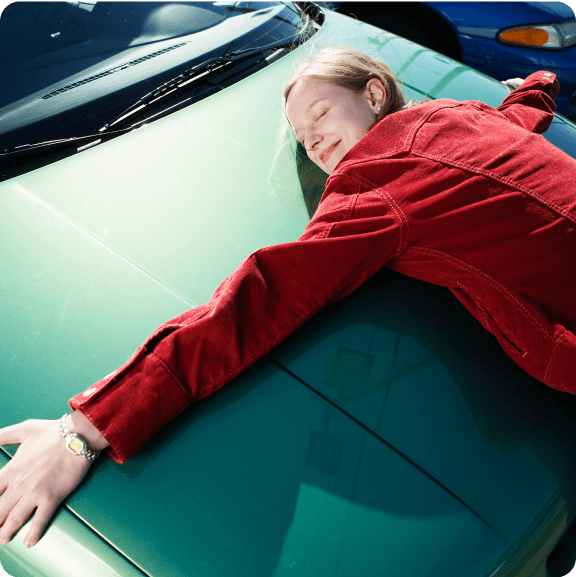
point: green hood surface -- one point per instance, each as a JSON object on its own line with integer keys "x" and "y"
{"x": 276, "y": 474}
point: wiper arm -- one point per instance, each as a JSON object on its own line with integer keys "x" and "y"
{"x": 194, "y": 77}
{"x": 21, "y": 159}
{"x": 191, "y": 76}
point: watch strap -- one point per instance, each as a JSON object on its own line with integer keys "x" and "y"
{"x": 75, "y": 443}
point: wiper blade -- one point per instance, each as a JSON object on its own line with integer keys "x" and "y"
{"x": 21, "y": 159}
{"x": 79, "y": 142}
{"x": 195, "y": 76}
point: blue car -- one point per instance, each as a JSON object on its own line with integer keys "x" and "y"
{"x": 501, "y": 39}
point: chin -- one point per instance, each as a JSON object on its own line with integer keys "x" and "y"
{"x": 334, "y": 162}
{"x": 323, "y": 167}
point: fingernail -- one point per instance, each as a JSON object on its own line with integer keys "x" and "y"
{"x": 27, "y": 544}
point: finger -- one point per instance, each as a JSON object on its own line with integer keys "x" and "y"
{"x": 19, "y": 514}
{"x": 41, "y": 519}
{"x": 4, "y": 473}
{"x": 14, "y": 434}
{"x": 7, "y": 503}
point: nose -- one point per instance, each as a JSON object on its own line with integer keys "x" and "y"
{"x": 312, "y": 141}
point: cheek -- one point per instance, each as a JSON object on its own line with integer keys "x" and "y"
{"x": 357, "y": 126}
{"x": 353, "y": 136}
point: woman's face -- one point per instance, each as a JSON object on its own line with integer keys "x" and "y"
{"x": 329, "y": 120}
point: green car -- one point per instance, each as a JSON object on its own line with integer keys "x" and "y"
{"x": 390, "y": 436}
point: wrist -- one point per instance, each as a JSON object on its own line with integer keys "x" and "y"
{"x": 78, "y": 424}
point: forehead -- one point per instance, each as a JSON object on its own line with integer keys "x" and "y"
{"x": 305, "y": 94}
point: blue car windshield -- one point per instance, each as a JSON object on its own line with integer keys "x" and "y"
{"x": 68, "y": 68}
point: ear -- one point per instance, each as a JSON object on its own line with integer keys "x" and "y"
{"x": 375, "y": 93}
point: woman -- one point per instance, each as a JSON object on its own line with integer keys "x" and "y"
{"x": 455, "y": 193}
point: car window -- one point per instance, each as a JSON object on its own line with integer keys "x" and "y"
{"x": 69, "y": 68}
{"x": 30, "y": 29}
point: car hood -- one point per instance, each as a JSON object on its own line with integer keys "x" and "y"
{"x": 270, "y": 473}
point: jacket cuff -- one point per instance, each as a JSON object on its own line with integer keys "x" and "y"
{"x": 541, "y": 84}
{"x": 542, "y": 80}
{"x": 531, "y": 105}
{"x": 140, "y": 398}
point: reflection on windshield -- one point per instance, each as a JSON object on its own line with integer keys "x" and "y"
{"x": 69, "y": 68}
{"x": 31, "y": 29}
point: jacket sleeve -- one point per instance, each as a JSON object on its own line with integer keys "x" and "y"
{"x": 532, "y": 105}
{"x": 270, "y": 295}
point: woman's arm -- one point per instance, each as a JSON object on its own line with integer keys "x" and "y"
{"x": 531, "y": 105}
{"x": 270, "y": 295}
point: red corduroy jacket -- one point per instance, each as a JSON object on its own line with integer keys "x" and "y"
{"x": 454, "y": 193}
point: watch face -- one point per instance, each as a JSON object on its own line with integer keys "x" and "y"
{"x": 76, "y": 445}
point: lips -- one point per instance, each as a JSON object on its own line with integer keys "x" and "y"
{"x": 325, "y": 155}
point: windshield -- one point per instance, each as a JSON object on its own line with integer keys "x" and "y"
{"x": 68, "y": 68}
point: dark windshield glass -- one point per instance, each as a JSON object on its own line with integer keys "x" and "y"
{"x": 32, "y": 29}
{"x": 68, "y": 68}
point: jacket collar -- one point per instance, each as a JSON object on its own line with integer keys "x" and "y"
{"x": 389, "y": 135}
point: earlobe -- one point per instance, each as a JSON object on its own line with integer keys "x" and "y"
{"x": 376, "y": 93}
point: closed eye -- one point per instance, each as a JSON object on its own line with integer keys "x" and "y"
{"x": 315, "y": 120}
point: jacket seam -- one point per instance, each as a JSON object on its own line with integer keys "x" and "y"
{"x": 507, "y": 181}
{"x": 491, "y": 281}
{"x": 328, "y": 230}
{"x": 411, "y": 136}
{"x": 482, "y": 313}
{"x": 171, "y": 374}
{"x": 199, "y": 315}
{"x": 553, "y": 357}
{"x": 394, "y": 207}
{"x": 401, "y": 218}
{"x": 112, "y": 446}
{"x": 167, "y": 370}
{"x": 348, "y": 211}
{"x": 351, "y": 206}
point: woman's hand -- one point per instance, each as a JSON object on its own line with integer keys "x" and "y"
{"x": 42, "y": 473}
{"x": 513, "y": 83}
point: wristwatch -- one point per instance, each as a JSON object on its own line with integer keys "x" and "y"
{"x": 75, "y": 443}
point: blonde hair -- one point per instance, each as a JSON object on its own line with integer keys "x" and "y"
{"x": 345, "y": 67}
{"x": 352, "y": 69}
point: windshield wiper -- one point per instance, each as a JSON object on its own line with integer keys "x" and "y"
{"x": 194, "y": 77}
{"x": 23, "y": 158}
{"x": 187, "y": 79}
